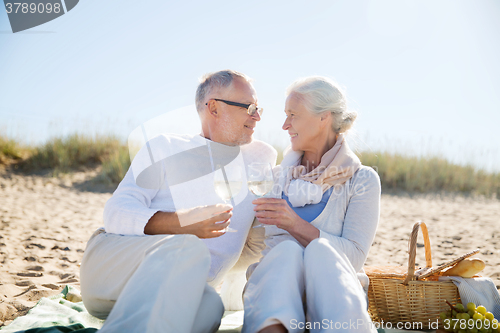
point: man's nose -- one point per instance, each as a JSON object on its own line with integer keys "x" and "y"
{"x": 256, "y": 116}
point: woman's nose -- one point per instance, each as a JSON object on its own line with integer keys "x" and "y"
{"x": 286, "y": 125}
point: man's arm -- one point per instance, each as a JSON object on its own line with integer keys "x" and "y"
{"x": 130, "y": 211}
{"x": 163, "y": 223}
{"x": 194, "y": 221}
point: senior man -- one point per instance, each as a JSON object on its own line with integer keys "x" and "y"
{"x": 165, "y": 245}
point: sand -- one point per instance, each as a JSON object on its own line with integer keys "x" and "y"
{"x": 44, "y": 226}
{"x": 45, "y": 223}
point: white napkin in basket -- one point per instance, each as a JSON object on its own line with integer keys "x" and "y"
{"x": 480, "y": 290}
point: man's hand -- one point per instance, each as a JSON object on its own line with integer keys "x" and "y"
{"x": 203, "y": 221}
{"x": 206, "y": 227}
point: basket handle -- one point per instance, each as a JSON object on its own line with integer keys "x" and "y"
{"x": 413, "y": 250}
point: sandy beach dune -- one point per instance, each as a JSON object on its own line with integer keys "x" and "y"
{"x": 456, "y": 226}
{"x": 44, "y": 226}
{"x": 46, "y": 222}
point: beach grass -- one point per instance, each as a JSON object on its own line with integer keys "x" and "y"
{"x": 115, "y": 166}
{"x": 10, "y": 150}
{"x": 66, "y": 154}
{"x": 71, "y": 152}
{"x": 397, "y": 172}
{"x": 430, "y": 174}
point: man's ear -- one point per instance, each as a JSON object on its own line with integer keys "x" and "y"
{"x": 212, "y": 107}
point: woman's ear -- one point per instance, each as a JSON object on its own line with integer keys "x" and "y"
{"x": 325, "y": 116}
{"x": 326, "y": 120}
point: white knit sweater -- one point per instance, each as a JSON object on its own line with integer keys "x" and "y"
{"x": 131, "y": 206}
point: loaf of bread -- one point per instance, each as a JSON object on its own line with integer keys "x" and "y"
{"x": 466, "y": 268}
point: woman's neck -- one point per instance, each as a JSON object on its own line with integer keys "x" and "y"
{"x": 312, "y": 158}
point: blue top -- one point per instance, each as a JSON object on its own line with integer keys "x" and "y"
{"x": 310, "y": 212}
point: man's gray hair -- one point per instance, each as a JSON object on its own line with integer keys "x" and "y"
{"x": 213, "y": 81}
{"x": 321, "y": 94}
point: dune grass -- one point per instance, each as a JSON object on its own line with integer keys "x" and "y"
{"x": 10, "y": 150}
{"x": 115, "y": 166}
{"x": 396, "y": 171}
{"x": 72, "y": 152}
{"x": 62, "y": 155}
{"x": 430, "y": 174}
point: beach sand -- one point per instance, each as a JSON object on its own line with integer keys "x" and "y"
{"x": 45, "y": 223}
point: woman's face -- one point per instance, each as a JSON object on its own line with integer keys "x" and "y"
{"x": 306, "y": 130}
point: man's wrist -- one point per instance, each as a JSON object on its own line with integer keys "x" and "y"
{"x": 163, "y": 223}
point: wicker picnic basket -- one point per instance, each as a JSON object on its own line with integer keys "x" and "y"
{"x": 399, "y": 294}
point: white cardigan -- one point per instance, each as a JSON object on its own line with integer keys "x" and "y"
{"x": 349, "y": 219}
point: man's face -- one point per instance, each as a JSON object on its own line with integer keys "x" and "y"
{"x": 234, "y": 126}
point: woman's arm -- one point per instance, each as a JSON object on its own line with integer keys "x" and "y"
{"x": 361, "y": 218}
{"x": 304, "y": 233}
{"x": 360, "y": 222}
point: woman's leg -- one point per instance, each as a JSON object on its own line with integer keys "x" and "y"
{"x": 273, "y": 294}
{"x": 335, "y": 298}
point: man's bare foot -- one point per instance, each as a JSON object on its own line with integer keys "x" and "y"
{"x": 276, "y": 328}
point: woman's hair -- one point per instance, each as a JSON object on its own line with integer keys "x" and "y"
{"x": 321, "y": 94}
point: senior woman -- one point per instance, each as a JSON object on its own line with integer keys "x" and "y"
{"x": 319, "y": 233}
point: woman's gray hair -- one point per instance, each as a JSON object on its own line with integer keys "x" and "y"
{"x": 214, "y": 81}
{"x": 321, "y": 94}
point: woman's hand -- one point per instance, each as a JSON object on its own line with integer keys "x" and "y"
{"x": 276, "y": 212}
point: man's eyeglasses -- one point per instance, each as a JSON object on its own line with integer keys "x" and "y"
{"x": 251, "y": 108}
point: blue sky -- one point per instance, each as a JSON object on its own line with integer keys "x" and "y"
{"x": 424, "y": 76}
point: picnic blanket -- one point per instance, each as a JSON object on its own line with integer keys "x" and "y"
{"x": 479, "y": 290}
{"x": 56, "y": 310}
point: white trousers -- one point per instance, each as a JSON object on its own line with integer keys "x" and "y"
{"x": 149, "y": 284}
{"x": 318, "y": 282}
